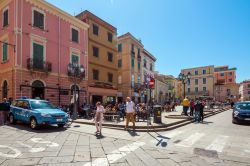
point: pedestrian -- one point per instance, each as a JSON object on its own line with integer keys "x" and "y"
{"x": 202, "y": 110}
{"x": 99, "y": 117}
{"x": 192, "y": 104}
{"x": 130, "y": 112}
{"x": 185, "y": 104}
{"x": 198, "y": 107}
{"x": 232, "y": 104}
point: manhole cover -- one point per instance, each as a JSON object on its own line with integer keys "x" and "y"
{"x": 204, "y": 152}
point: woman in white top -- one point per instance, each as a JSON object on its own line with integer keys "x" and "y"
{"x": 99, "y": 117}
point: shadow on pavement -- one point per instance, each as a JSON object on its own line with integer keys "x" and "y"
{"x": 133, "y": 133}
{"x": 206, "y": 122}
{"x": 160, "y": 141}
{"x": 40, "y": 129}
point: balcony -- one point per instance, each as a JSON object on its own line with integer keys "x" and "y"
{"x": 36, "y": 65}
{"x": 139, "y": 58}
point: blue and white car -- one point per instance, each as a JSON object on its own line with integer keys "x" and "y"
{"x": 36, "y": 113}
{"x": 241, "y": 112}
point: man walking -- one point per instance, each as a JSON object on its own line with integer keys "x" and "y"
{"x": 185, "y": 104}
{"x": 130, "y": 112}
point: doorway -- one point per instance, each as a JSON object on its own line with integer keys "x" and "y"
{"x": 38, "y": 90}
{"x": 96, "y": 98}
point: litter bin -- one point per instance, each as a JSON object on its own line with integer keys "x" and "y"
{"x": 157, "y": 113}
{"x": 4, "y": 112}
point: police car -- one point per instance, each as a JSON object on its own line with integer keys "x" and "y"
{"x": 36, "y": 113}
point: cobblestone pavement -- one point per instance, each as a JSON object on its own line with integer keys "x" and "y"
{"x": 211, "y": 143}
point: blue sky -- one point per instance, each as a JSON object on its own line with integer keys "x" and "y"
{"x": 180, "y": 33}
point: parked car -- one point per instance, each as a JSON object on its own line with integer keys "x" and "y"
{"x": 36, "y": 113}
{"x": 241, "y": 112}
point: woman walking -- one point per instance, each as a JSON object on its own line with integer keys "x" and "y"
{"x": 99, "y": 117}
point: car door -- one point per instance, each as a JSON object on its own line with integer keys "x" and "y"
{"x": 16, "y": 109}
{"x": 26, "y": 111}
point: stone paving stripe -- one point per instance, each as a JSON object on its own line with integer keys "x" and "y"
{"x": 218, "y": 144}
{"x": 188, "y": 142}
{"x": 123, "y": 152}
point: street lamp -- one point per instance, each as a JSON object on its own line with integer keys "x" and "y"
{"x": 184, "y": 79}
{"x": 77, "y": 72}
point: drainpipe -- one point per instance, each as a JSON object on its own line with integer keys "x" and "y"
{"x": 59, "y": 60}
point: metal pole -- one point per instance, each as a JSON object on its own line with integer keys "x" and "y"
{"x": 184, "y": 90}
{"x": 75, "y": 111}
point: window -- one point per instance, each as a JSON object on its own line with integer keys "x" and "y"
{"x": 110, "y": 57}
{"x": 38, "y": 19}
{"x": 110, "y": 37}
{"x": 5, "y": 52}
{"x": 5, "y": 18}
{"x": 74, "y": 59}
{"x": 132, "y": 48}
{"x": 204, "y": 89}
{"x": 248, "y": 85}
{"x": 196, "y": 89}
{"x": 5, "y": 89}
{"x": 139, "y": 52}
{"x": 95, "y": 29}
{"x": 204, "y": 72}
{"x": 95, "y": 75}
{"x": 145, "y": 63}
{"x": 119, "y": 47}
{"x": 204, "y": 80}
{"x": 189, "y": 90}
{"x": 151, "y": 67}
{"x": 222, "y": 74}
{"x": 196, "y": 72}
{"x": 95, "y": 51}
{"x": 75, "y": 35}
{"x": 230, "y": 80}
{"x": 119, "y": 63}
{"x": 133, "y": 62}
{"x": 139, "y": 65}
{"x": 196, "y": 81}
{"x": 132, "y": 80}
{"x": 249, "y": 92}
{"x": 38, "y": 56}
{"x": 230, "y": 73}
{"x": 110, "y": 77}
{"x": 188, "y": 82}
{"x": 139, "y": 79}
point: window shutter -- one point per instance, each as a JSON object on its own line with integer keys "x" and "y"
{"x": 5, "y": 16}
{"x": 5, "y": 52}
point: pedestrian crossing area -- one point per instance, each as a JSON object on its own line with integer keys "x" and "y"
{"x": 187, "y": 141}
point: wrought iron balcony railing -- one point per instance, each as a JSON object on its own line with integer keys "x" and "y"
{"x": 37, "y": 65}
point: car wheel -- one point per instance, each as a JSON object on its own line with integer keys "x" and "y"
{"x": 61, "y": 125}
{"x": 234, "y": 121}
{"x": 12, "y": 119}
{"x": 33, "y": 123}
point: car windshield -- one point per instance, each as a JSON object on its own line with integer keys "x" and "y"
{"x": 243, "y": 106}
{"x": 41, "y": 105}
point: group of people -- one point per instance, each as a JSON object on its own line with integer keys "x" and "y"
{"x": 196, "y": 108}
{"x": 100, "y": 110}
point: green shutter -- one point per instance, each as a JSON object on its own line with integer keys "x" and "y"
{"x": 133, "y": 63}
{"x": 38, "y": 56}
{"x": 5, "y": 52}
{"x": 74, "y": 59}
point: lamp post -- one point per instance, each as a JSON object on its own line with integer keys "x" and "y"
{"x": 184, "y": 79}
{"x": 77, "y": 72}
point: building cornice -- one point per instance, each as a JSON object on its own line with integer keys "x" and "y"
{"x": 58, "y": 12}
{"x": 4, "y": 3}
{"x": 130, "y": 36}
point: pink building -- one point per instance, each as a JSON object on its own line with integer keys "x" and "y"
{"x": 245, "y": 90}
{"x": 38, "y": 41}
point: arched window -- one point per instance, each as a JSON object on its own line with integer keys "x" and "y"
{"x": 5, "y": 89}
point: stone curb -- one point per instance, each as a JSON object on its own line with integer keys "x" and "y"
{"x": 152, "y": 128}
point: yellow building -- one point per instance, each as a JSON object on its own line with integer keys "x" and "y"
{"x": 129, "y": 67}
{"x": 201, "y": 82}
{"x": 102, "y": 60}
